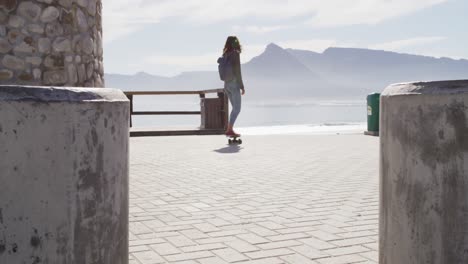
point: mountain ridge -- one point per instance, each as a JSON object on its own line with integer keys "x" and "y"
{"x": 280, "y": 72}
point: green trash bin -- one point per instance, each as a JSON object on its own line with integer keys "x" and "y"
{"x": 373, "y": 113}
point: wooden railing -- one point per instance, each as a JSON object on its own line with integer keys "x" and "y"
{"x": 213, "y": 112}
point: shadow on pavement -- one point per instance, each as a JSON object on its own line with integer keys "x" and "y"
{"x": 231, "y": 149}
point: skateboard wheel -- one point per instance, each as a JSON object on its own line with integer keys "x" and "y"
{"x": 240, "y": 141}
{"x": 230, "y": 141}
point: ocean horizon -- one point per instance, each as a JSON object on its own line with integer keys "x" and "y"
{"x": 305, "y": 116}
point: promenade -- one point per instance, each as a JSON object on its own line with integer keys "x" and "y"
{"x": 275, "y": 199}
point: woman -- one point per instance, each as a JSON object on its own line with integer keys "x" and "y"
{"x": 234, "y": 86}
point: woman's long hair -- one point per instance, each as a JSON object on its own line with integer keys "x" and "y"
{"x": 232, "y": 43}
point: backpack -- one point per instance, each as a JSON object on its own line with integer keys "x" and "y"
{"x": 225, "y": 68}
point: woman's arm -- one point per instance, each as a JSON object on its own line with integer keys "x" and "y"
{"x": 237, "y": 69}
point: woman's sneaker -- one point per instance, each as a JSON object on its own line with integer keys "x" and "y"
{"x": 232, "y": 134}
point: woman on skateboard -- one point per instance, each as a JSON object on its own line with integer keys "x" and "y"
{"x": 233, "y": 86}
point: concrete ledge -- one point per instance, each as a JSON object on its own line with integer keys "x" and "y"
{"x": 429, "y": 88}
{"x": 59, "y": 94}
{"x": 63, "y": 175}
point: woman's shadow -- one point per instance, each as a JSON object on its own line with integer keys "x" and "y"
{"x": 230, "y": 149}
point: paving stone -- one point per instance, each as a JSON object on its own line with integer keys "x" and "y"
{"x": 227, "y": 233}
{"x": 281, "y": 244}
{"x": 270, "y": 253}
{"x": 181, "y": 241}
{"x": 214, "y": 260}
{"x": 164, "y": 249}
{"x": 297, "y": 259}
{"x": 253, "y": 238}
{"x": 310, "y": 252}
{"x": 230, "y": 255}
{"x": 186, "y": 262}
{"x": 148, "y": 257}
{"x": 241, "y": 246}
{"x": 288, "y": 237}
{"x": 139, "y": 242}
{"x": 351, "y": 241}
{"x": 346, "y": 250}
{"x": 203, "y": 247}
{"x": 347, "y": 259}
{"x": 133, "y": 249}
{"x": 139, "y": 228}
{"x": 264, "y": 261}
{"x": 215, "y": 240}
{"x": 194, "y": 234}
{"x": 323, "y": 235}
{"x": 189, "y": 256}
{"x": 372, "y": 255}
{"x": 317, "y": 243}
{"x": 261, "y": 231}
{"x": 206, "y": 227}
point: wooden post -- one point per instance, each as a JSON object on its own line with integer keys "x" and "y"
{"x": 130, "y": 97}
{"x": 224, "y": 115}
{"x": 202, "y": 121}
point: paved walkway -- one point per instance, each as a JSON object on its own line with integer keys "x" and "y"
{"x": 275, "y": 199}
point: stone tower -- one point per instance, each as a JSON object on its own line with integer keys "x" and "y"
{"x": 51, "y": 43}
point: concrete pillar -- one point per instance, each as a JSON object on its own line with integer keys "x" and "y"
{"x": 51, "y": 42}
{"x": 424, "y": 173}
{"x": 63, "y": 175}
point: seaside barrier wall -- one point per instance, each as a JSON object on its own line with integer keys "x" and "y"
{"x": 424, "y": 180}
{"x": 63, "y": 175}
{"x": 63, "y": 151}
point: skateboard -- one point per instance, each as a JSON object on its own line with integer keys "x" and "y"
{"x": 234, "y": 140}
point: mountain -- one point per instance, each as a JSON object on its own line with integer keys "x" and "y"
{"x": 380, "y": 67}
{"x": 280, "y": 73}
{"x": 276, "y": 61}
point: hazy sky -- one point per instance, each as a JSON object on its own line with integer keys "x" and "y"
{"x": 166, "y": 37}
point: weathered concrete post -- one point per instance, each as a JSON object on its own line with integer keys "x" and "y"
{"x": 63, "y": 175}
{"x": 63, "y": 152}
{"x": 424, "y": 173}
{"x": 51, "y": 42}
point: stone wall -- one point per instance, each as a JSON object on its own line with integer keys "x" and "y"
{"x": 51, "y": 42}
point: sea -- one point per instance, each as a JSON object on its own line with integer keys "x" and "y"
{"x": 298, "y": 116}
